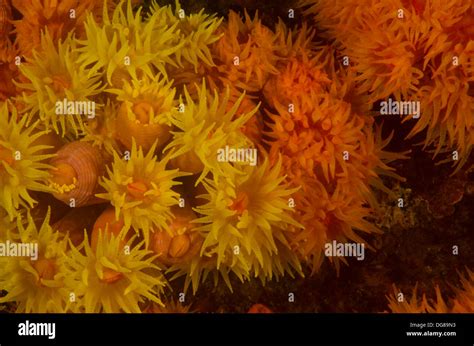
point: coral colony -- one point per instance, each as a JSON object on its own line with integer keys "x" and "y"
{"x": 151, "y": 151}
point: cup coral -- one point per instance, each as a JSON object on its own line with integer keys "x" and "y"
{"x": 52, "y": 76}
{"x": 204, "y": 127}
{"x": 247, "y": 52}
{"x": 296, "y": 78}
{"x": 462, "y": 302}
{"x": 146, "y": 108}
{"x": 22, "y": 167}
{"x": 36, "y": 284}
{"x": 244, "y": 222}
{"x": 124, "y": 46}
{"x": 411, "y": 50}
{"x": 113, "y": 277}
{"x": 59, "y": 17}
{"x": 330, "y": 148}
{"x": 140, "y": 189}
{"x": 75, "y": 173}
{"x": 196, "y": 32}
{"x": 147, "y": 142}
{"x": 181, "y": 241}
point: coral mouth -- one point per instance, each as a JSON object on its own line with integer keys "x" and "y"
{"x": 137, "y": 189}
{"x": 240, "y": 203}
{"x": 63, "y": 178}
{"x": 46, "y": 269}
{"x": 111, "y": 276}
{"x": 142, "y": 112}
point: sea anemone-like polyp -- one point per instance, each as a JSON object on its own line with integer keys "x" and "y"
{"x": 36, "y": 283}
{"x": 244, "y": 223}
{"x": 418, "y": 51}
{"x": 246, "y": 54}
{"x": 140, "y": 189}
{"x": 53, "y": 75}
{"x": 462, "y": 302}
{"x": 125, "y": 46}
{"x": 22, "y": 166}
{"x": 146, "y": 108}
{"x": 115, "y": 276}
{"x": 204, "y": 127}
{"x": 196, "y": 32}
{"x": 59, "y": 17}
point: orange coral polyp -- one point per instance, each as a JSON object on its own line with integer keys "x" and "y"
{"x": 301, "y": 76}
{"x": 53, "y": 15}
{"x": 247, "y": 52}
{"x": 318, "y": 134}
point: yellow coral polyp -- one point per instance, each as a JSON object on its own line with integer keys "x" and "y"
{"x": 113, "y": 277}
{"x": 251, "y": 215}
{"x": 145, "y": 112}
{"x": 205, "y": 126}
{"x": 125, "y": 46}
{"x": 52, "y": 75}
{"x": 195, "y": 34}
{"x": 22, "y": 167}
{"x": 141, "y": 191}
{"x": 36, "y": 284}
